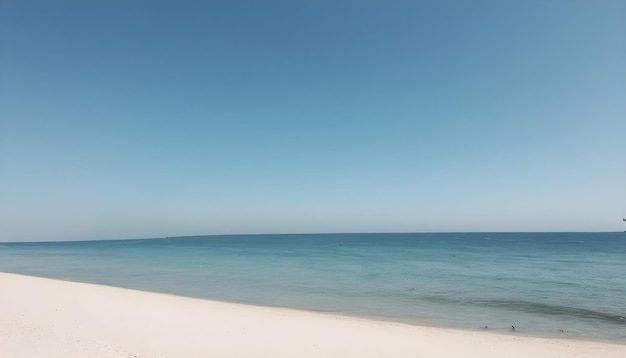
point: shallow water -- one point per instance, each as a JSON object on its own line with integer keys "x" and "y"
{"x": 539, "y": 282}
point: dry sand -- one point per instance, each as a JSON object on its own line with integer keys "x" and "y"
{"x": 50, "y": 318}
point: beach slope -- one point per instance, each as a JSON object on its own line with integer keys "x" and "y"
{"x": 50, "y": 318}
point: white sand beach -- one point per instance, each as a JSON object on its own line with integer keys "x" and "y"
{"x": 51, "y": 318}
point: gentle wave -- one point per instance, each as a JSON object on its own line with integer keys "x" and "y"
{"x": 535, "y": 308}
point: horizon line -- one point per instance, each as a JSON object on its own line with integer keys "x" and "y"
{"x": 310, "y": 233}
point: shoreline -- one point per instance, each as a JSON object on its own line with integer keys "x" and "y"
{"x": 41, "y": 317}
{"x": 498, "y": 330}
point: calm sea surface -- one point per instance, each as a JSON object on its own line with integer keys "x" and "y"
{"x": 539, "y": 282}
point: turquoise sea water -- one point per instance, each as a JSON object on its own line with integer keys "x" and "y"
{"x": 539, "y": 282}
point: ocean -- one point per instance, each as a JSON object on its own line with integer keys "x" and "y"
{"x": 541, "y": 283}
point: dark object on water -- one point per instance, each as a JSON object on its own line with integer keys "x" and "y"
{"x": 512, "y": 328}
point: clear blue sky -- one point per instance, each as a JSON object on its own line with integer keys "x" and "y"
{"x": 128, "y": 119}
